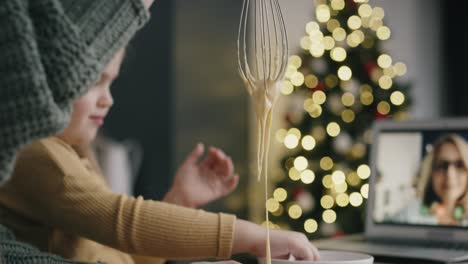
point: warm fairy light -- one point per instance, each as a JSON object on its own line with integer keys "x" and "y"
{"x": 354, "y": 22}
{"x": 365, "y": 10}
{"x": 366, "y": 21}
{"x": 333, "y": 129}
{"x": 365, "y": 190}
{"x": 278, "y": 212}
{"x": 347, "y": 99}
{"x": 341, "y": 188}
{"x": 327, "y": 202}
{"x": 280, "y": 194}
{"x": 355, "y": 38}
{"x": 290, "y": 70}
{"x": 270, "y": 225}
{"x": 327, "y": 181}
{"x": 397, "y": 98}
{"x": 332, "y": 24}
{"x": 309, "y": 104}
{"x": 328, "y": 43}
{"x": 295, "y": 61}
{"x": 297, "y": 79}
{"x": 338, "y": 177}
{"x": 331, "y": 80}
{"x": 355, "y": 199}
{"x": 287, "y": 88}
{"x": 326, "y": 163}
{"x": 272, "y": 205}
{"x": 291, "y": 141}
{"x": 337, "y": 4}
{"x": 365, "y": 88}
{"x": 319, "y": 97}
{"x": 295, "y": 132}
{"x": 307, "y": 176}
{"x": 342, "y": 199}
{"x": 345, "y": 73}
{"x": 338, "y": 54}
{"x": 361, "y": 1}
{"x": 383, "y": 33}
{"x": 375, "y": 23}
{"x": 316, "y": 36}
{"x": 295, "y": 211}
{"x": 317, "y": 49}
{"x": 310, "y": 226}
{"x": 339, "y": 34}
{"x": 305, "y": 43}
{"x": 301, "y": 163}
{"x": 294, "y": 174}
{"x": 353, "y": 179}
{"x": 329, "y": 216}
{"x": 400, "y": 68}
{"x": 385, "y": 82}
{"x": 383, "y": 108}
{"x": 378, "y": 13}
{"x": 358, "y": 33}
{"x": 367, "y": 98}
{"x": 322, "y": 13}
{"x": 318, "y": 133}
{"x": 308, "y": 142}
{"x": 363, "y": 171}
{"x": 390, "y": 72}
{"x": 384, "y": 61}
{"x": 311, "y": 81}
{"x": 312, "y": 26}
{"x": 348, "y": 115}
{"x": 281, "y": 135}
{"x": 315, "y": 110}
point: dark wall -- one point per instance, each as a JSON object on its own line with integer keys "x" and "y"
{"x": 455, "y": 49}
{"x": 142, "y": 100}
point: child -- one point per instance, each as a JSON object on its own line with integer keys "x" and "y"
{"x": 57, "y": 201}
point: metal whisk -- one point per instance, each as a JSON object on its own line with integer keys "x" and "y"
{"x": 262, "y": 50}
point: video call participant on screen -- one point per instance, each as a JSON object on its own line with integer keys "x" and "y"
{"x": 441, "y": 186}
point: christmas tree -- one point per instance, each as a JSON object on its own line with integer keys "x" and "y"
{"x": 342, "y": 82}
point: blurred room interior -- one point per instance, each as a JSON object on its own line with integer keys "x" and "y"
{"x": 185, "y": 73}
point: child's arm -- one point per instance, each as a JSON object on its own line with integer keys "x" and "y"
{"x": 51, "y": 185}
{"x": 197, "y": 183}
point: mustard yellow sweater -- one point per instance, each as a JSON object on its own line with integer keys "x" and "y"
{"x": 57, "y": 202}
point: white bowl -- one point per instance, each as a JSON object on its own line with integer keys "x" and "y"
{"x": 329, "y": 257}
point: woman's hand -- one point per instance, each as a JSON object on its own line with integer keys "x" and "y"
{"x": 251, "y": 238}
{"x": 199, "y": 182}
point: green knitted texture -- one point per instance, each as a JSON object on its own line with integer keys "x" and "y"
{"x": 50, "y": 52}
{"x": 14, "y": 252}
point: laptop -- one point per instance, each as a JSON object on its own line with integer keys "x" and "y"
{"x": 401, "y": 219}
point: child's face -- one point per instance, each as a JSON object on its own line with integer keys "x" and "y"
{"x": 90, "y": 110}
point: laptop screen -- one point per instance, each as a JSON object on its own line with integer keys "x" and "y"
{"x": 421, "y": 177}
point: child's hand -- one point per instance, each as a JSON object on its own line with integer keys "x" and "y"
{"x": 251, "y": 238}
{"x": 199, "y": 182}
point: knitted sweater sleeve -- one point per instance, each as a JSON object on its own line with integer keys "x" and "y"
{"x": 50, "y": 52}
{"x": 53, "y": 186}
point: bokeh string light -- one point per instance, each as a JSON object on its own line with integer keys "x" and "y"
{"x": 347, "y": 82}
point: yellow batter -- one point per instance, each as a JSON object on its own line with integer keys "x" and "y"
{"x": 264, "y": 95}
